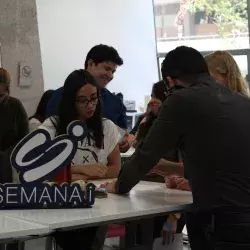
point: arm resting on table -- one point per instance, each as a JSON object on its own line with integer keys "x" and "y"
{"x": 165, "y": 167}
{"x": 163, "y": 136}
{"x": 114, "y": 163}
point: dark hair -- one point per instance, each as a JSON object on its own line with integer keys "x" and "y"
{"x": 103, "y": 53}
{"x": 5, "y": 79}
{"x": 67, "y": 111}
{"x": 160, "y": 91}
{"x": 42, "y": 106}
{"x": 183, "y": 63}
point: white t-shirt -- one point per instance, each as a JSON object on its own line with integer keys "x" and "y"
{"x": 87, "y": 153}
{"x": 34, "y": 124}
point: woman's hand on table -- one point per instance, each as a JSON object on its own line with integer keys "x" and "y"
{"x": 109, "y": 186}
{"x": 77, "y": 177}
{"x": 94, "y": 170}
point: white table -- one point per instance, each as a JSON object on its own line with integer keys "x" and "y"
{"x": 146, "y": 199}
{"x": 16, "y": 228}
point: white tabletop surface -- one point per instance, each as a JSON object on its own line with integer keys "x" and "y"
{"x": 146, "y": 198}
{"x": 15, "y": 228}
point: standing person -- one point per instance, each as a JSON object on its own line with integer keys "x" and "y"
{"x": 224, "y": 69}
{"x": 102, "y": 62}
{"x": 98, "y": 155}
{"x": 39, "y": 117}
{"x": 210, "y": 123}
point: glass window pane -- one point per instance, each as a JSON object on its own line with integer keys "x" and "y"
{"x": 242, "y": 63}
{"x": 203, "y": 24}
{"x": 158, "y": 22}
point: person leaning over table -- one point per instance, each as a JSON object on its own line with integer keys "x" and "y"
{"x": 102, "y": 62}
{"x": 97, "y": 156}
{"x": 210, "y": 123}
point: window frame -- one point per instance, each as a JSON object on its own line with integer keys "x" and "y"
{"x": 236, "y": 52}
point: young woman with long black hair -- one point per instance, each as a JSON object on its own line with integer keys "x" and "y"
{"x": 98, "y": 155}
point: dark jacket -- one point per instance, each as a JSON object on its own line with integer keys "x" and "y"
{"x": 210, "y": 124}
{"x": 14, "y": 126}
{"x": 113, "y": 108}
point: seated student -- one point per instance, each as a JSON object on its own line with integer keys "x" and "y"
{"x": 39, "y": 117}
{"x": 98, "y": 155}
{"x": 102, "y": 62}
{"x": 13, "y": 125}
{"x": 158, "y": 95}
{"x": 145, "y": 120}
{"x": 224, "y": 69}
{"x": 157, "y": 174}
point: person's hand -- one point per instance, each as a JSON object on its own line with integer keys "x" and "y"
{"x": 95, "y": 170}
{"x": 154, "y": 106}
{"x": 109, "y": 186}
{"x": 183, "y": 184}
{"x": 124, "y": 145}
{"x": 76, "y": 177}
{"x": 177, "y": 182}
{"x": 171, "y": 182}
{"x": 126, "y": 142}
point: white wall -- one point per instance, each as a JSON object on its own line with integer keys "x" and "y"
{"x": 68, "y": 29}
{"x": 20, "y": 43}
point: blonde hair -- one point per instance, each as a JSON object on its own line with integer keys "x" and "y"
{"x": 223, "y": 63}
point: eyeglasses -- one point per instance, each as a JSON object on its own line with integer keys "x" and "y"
{"x": 83, "y": 103}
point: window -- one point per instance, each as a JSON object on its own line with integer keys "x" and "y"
{"x": 202, "y": 24}
{"x": 205, "y": 25}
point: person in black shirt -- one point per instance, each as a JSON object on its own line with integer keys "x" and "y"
{"x": 209, "y": 123}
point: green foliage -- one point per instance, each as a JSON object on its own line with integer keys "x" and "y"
{"x": 223, "y": 13}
